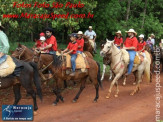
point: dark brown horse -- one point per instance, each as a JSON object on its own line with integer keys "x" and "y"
{"x": 93, "y": 73}
{"x": 87, "y": 46}
{"x": 28, "y": 76}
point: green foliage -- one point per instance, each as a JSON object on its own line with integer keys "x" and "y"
{"x": 109, "y": 16}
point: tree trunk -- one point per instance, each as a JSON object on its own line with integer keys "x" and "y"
{"x": 128, "y": 10}
{"x": 146, "y": 2}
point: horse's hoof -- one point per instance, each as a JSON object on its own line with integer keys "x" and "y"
{"x": 54, "y": 104}
{"x": 34, "y": 113}
{"x": 116, "y": 95}
{"x": 74, "y": 101}
{"x": 107, "y": 97}
{"x": 95, "y": 101}
{"x": 134, "y": 83}
{"x": 132, "y": 94}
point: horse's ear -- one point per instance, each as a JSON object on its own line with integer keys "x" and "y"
{"x": 19, "y": 45}
{"x": 107, "y": 40}
{"x": 113, "y": 41}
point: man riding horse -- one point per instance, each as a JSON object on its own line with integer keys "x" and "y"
{"x": 51, "y": 41}
{"x": 4, "y": 45}
{"x": 92, "y": 37}
{"x": 130, "y": 45}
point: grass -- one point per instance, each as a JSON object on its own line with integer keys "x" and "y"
{"x": 97, "y": 57}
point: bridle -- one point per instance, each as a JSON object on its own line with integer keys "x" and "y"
{"x": 20, "y": 55}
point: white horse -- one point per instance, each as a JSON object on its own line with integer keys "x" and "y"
{"x": 119, "y": 63}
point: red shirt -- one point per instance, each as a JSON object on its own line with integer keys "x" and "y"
{"x": 73, "y": 46}
{"x": 43, "y": 46}
{"x": 118, "y": 41}
{"x": 80, "y": 43}
{"x": 38, "y": 43}
{"x": 141, "y": 45}
{"x": 131, "y": 42}
{"x": 52, "y": 40}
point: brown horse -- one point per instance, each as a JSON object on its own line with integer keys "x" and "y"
{"x": 93, "y": 73}
{"x": 87, "y": 46}
{"x": 28, "y": 75}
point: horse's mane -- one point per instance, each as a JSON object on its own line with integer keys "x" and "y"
{"x": 86, "y": 39}
{"x": 57, "y": 61}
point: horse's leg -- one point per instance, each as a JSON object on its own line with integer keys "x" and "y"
{"x": 97, "y": 92}
{"x": 82, "y": 86}
{"x": 139, "y": 76}
{"x": 103, "y": 72}
{"x": 124, "y": 81}
{"x": 57, "y": 92}
{"x": 112, "y": 84}
{"x": 16, "y": 89}
{"x": 135, "y": 75}
{"x": 65, "y": 84}
{"x": 111, "y": 74}
{"x": 117, "y": 89}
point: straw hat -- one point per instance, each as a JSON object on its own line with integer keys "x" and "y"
{"x": 131, "y": 31}
{"x": 141, "y": 35}
{"x": 119, "y": 32}
{"x": 90, "y": 27}
{"x": 153, "y": 35}
{"x": 1, "y": 25}
{"x": 80, "y": 32}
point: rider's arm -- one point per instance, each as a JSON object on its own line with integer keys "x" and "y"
{"x": 65, "y": 50}
{"x": 69, "y": 52}
{"x": 4, "y": 48}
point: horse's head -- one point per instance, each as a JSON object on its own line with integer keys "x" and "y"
{"x": 102, "y": 44}
{"x": 107, "y": 48}
{"x": 19, "y": 52}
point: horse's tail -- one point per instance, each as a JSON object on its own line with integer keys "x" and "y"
{"x": 37, "y": 80}
{"x": 99, "y": 75}
{"x": 147, "y": 67}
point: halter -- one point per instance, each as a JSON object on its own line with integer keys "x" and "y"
{"x": 22, "y": 54}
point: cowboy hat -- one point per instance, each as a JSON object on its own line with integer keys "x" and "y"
{"x": 152, "y": 35}
{"x": 90, "y": 27}
{"x": 131, "y": 31}
{"x": 141, "y": 35}
{"x": 1, "y": 25}
{"x": 119, "y": 32}
{"x": 80, "y": 32}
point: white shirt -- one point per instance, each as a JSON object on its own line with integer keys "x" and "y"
{"x": 153, "y": 41}
{"x": 90, "y": 34}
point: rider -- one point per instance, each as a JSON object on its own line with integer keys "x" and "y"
{"x": 130, "y": 45}
{"x": 141, "y": 45}
{"x": 72, "y": 50}
{"x": 38, "y": 42}
{"x": 80, "y": 42}
{"x": 51, "y": 41}
{"x": 92, "y": 36}
{"x": 43, "y": 44}
{"x": 118, "y": 40}
{"x": 4, "y": 45}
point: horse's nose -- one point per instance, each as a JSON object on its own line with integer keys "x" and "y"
{"x": 102, "y": 53}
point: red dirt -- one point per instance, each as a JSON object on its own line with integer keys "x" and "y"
{"x": 125, "y": 108}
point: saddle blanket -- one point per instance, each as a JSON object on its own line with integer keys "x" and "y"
{"x": 7, "y": 67}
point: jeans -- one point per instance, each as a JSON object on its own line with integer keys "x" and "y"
{"x": 52, "y": 52}
{"x": 79, "y": 52}
{"x": 73, "y": 63}
{"x": 3, "y": 59}
{"x": 131, "y": 63}
{"x": 118, "y": 47}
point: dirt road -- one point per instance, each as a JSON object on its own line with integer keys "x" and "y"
{"x": 125, "y": 108}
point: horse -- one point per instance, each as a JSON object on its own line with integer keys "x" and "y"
{"x": 119, "y": 62}
{"x": 55, "y": 64}
{"x": 106, "y": 61}
{"x": 87, "y": 46}
{"x": 28, "y": 75}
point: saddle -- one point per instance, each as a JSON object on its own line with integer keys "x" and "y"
{"x": 7, "y": 67}
{"x": 138, "y": 58}
{"x": 81, "y": 62}
{"x": 92, "y": 43}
